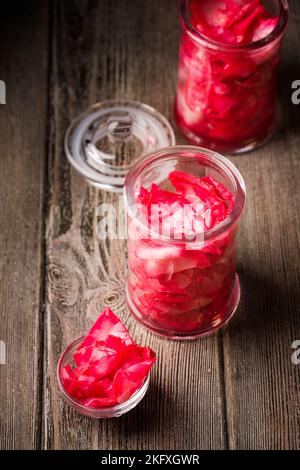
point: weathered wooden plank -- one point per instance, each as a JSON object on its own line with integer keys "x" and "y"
{"x": 23, "y": 67}
{"x": 103, "y": 50}
{"x": 262, "y": 384}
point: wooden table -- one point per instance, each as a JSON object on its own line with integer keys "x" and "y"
{"x": 238, "y": 389}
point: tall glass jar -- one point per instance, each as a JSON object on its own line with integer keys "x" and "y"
{"x": 175, "y": 287}
{"x": 226, "y": 96}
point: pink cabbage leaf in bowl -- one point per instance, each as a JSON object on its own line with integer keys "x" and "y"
{"x": 109, "y": 366}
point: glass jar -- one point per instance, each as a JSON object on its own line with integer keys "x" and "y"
{"x": 108, "y": 412}
{"x": 226, "y": 96}
{"x": 179, "y": 288}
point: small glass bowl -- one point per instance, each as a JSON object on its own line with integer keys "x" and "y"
{"x": 98, "y": 413}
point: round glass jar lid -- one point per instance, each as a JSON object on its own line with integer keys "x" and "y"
{"x": 103, "y": 142}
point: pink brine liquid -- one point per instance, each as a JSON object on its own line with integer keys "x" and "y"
{"x": 179, "y": 284}
{"x": 227, "y": 81}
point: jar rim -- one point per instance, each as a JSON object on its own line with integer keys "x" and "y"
{"x": 117, "y": 410}
{"x": 275, "y": 34}
{"x": 222, "y": 162}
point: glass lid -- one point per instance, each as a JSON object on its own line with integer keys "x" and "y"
{"x": 105, "y": 141}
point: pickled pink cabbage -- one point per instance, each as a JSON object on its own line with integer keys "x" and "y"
{"x": 232, "y": 21}
{"x": 226, "y": 98}
{"x": 110, "y": 367}
{"x": 172, "y": 286}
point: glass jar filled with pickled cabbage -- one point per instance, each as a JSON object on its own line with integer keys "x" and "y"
{"x": 228, "y": 67}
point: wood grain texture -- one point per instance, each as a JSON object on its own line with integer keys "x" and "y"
{"x": 236, "y": 390}
{"x": 261, "y": 383}
{"x": 101, "y": 50}
{"x": 23, "y": 120}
